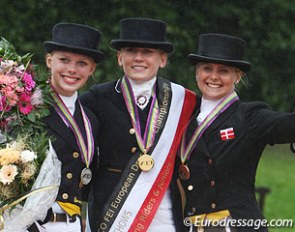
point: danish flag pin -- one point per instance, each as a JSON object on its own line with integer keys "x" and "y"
{"x": 227, "y": 134}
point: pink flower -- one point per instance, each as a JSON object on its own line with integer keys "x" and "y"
{"x": 12, "y": 98}
{"x": 29, "y": 82}
{"x": 24, "y": 104}
{"x": 2, "y": 102}
{"x": 8, "y": 80}
{"x": 5, "y": 106}
{"x": 9, "y": 84}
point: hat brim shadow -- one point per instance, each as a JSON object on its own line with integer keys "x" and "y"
{"x": 243, "y": 65}
{"x": 96, "y": 55}
{"x": 164, "y": 46}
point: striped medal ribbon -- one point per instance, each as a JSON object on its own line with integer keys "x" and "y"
{"x": 87, "y": 151}
{"x": 186, "y": 150}
{"x": 145, "y": 161}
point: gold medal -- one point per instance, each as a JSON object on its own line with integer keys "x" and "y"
{"x": 145, "y": 162}
{"x": 184, "y": 172}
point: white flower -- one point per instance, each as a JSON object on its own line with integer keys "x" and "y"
{"x": 36, "y": 98}
{"x": 8, "y": 173}
{"x": 15, "y": 145}
{"x": 7, "y": 66}
{"x": 20, "y": 68}
{"x": 27, "y": 156}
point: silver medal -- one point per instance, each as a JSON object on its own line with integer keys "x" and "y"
{"x": 86, "y": 176}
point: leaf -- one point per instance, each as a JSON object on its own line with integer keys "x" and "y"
{"x": 31, "y": 117}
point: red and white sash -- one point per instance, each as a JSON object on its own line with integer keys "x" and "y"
{"x": 147, "y": 192}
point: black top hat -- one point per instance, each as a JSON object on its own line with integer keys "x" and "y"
{"x": 224, "y": 49}
{"x": 75, "y": 38}
{"x": 142, "y": 32}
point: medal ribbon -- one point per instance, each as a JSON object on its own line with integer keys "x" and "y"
{"x": 185, "y": 151}
{"x": 147, "y": 141}
{"x": 136, "y": 209}
{"x": 86, "y": 151}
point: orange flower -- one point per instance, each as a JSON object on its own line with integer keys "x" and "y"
{"x": 9, "y": 156}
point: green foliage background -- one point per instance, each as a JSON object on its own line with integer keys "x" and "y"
{"x": 267, "y": 26}
{"x": 275, "y": 171}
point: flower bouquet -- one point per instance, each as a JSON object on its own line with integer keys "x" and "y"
{"x": 28, "y": 164}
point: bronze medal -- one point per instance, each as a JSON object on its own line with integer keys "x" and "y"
{"x": 86, "y": 176}
{"x": 184, "y": 172}
{"x": 145, "y": 162}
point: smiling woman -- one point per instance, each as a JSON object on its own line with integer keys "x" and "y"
{"x": 216, "y": 80}
{"x": 141, "y": 64}
{"x": 69, "y": 71}
{"x": 71, "y": 57}
{"x": 224, "y": 141}
{"x": 139, "y": 103}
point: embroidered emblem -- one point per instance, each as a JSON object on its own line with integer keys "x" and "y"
{"x": 227, "y": 134}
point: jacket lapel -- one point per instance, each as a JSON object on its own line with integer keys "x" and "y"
{"x": 116, "y": 97}
{"x": 221, "y": 119}
{"x": 56, "y": 124}
{"x": 201, "y": 147}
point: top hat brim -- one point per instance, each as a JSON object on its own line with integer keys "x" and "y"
{"x": 164, "y": 46}
{"x": 243, "y": 65}
{"x": 96, "y": 55}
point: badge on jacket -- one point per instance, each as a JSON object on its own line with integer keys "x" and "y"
{"x": 227, "y": 134}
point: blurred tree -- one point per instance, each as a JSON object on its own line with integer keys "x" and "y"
{"x": 266, "y": 25}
